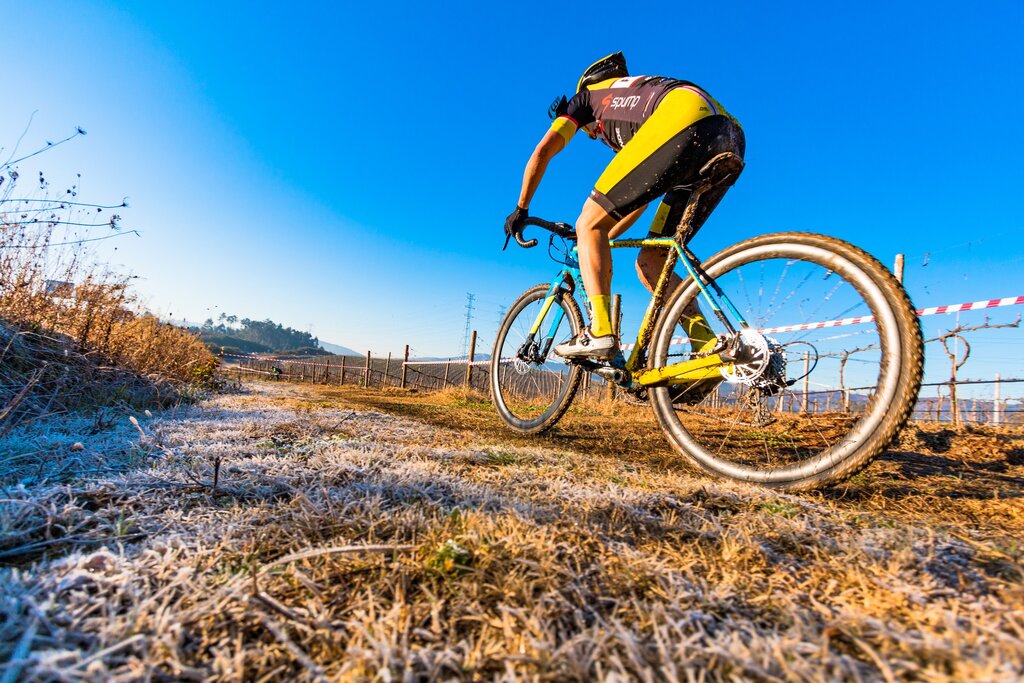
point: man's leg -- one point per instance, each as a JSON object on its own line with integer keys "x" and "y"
{"x": 626, "y": 223}
{"x": 651, "y": 261}
{"x": 594, "y": 227}
{"x": 592, "y": 230}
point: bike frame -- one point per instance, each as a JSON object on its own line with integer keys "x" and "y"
{"x": 677, "y": 373}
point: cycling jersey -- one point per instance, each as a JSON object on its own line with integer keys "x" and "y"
{"x": 619, "y": 106}
{"x": 663, "y": 130}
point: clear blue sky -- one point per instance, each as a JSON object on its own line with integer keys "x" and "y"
{"x": 346, "y": 168}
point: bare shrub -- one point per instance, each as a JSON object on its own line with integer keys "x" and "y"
{"x": 73, "y": 333}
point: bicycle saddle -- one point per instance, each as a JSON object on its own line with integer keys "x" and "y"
{"x": 721, "y": 169}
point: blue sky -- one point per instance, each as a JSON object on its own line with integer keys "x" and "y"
{"x": 346, "y": 169}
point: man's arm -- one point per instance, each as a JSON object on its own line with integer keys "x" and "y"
{"x": 551, "y": 144}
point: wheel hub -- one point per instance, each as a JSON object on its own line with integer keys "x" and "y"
{"x": 762, "y": 364}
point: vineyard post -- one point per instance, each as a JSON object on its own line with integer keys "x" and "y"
{"x": 405, "y": 363}
{"x": 469, "y": 363}
{"x": 387, "y": 369}
{"x": 366, "y": 372}
{"x": 807, "y": 381}
{"x": 995, "y": 402}
{"x": 341, "y": 380}
{"x": 447, "y": 367}
{"x": 898, "y": 268}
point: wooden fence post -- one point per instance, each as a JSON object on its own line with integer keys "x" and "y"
{"x": 387, "y": 369}
{"x": 807, "y": 381}
{"x": 341, "y": 380}
{"x": 469, "y": 363}
{"x": 366, "y": 373}
{"x": 447, "y": 367}
{"x": 405, "y": 362}
{"x": 898, "y": 268}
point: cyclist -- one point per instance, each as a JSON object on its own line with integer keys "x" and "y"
{"x": 663, "y": 131}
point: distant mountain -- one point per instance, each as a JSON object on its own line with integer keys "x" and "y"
{"x": 339, "y": 350}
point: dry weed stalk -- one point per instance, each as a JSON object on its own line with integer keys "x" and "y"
{"x": 71, "y": 332}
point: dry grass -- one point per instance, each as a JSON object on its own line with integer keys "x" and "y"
{"x": 343, "y": 543}
{"x": 71, "y": 332}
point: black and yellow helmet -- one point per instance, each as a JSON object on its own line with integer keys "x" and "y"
{"x": 612, "y": 66}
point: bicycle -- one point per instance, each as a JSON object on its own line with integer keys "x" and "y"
{"x": 728, "y": 398}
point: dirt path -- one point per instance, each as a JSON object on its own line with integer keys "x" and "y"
{"x": 343, "y": 542}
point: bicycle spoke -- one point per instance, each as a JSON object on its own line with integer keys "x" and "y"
{"x": 532, "y": 390}
{"x": 764, "y": 425}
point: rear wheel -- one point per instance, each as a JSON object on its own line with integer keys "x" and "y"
{"x": 831, "y": 372}
{"x": 531, "y": 387}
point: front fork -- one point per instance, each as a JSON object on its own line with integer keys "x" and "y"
{"x": 541, "y": 348}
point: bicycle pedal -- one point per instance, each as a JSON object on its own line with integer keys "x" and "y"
{"x": 611, "y": 374}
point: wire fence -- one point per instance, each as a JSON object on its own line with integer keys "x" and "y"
{"x": 938, "y": 401}
{"x": 934, "y": 404}
{"x": 379, "y": 372}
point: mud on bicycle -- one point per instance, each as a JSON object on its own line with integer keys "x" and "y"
{"x": 795, "y": 317}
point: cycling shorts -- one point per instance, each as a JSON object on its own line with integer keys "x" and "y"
{"x": 666, "y": 155}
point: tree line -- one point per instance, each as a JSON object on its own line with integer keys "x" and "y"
{"x": 265, "y": 333}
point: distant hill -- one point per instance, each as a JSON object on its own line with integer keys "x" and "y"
{"x": 339, "y": 350}
{"x": 244, "y": 335}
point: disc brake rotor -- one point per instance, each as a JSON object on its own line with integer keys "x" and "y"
{"x": 756, "y": 358}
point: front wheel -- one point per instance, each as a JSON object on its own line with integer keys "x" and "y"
{"x": 531, "y": 387}
{"x": 831, "y": 371}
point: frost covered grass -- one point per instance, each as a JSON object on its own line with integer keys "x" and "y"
{"x": 300, "y": 533}
{"x": 72, "y": 332}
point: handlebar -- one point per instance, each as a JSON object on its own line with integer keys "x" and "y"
{"x": 561, "y": 229}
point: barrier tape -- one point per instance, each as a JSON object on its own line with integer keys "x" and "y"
{"x": 453, "y": 361}
{"x": 259, "y": 372}
{"x": 934, "y": 310}
{"x": 272, "y": 359}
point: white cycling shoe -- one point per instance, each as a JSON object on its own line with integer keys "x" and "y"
{"x": 586, "y": 345}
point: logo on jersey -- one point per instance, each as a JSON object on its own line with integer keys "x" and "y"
{"x": 626, "y": 81}
{"x": 611, "y": 102}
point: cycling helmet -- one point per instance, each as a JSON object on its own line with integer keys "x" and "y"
{"x": 612, "y": 66}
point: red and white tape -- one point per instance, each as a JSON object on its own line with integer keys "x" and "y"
{"x": 453, "y": 361}
{"x": 934, "y": 310}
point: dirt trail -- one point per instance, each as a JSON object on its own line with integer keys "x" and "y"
{"x": 442, "y": 548}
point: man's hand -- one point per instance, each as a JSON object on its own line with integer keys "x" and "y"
{"x": 513, "y": 224}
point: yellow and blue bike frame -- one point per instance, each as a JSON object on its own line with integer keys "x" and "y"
{"x": 678, "y": 373}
